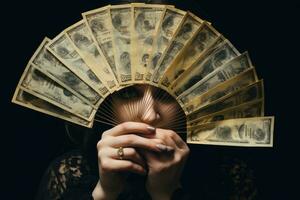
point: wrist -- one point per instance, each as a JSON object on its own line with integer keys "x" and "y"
{"x": 100, "y": 194}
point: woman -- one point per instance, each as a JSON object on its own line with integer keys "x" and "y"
{"x": 132, "y": 152}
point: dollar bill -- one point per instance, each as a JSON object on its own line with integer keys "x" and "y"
{"x": 243, "y": 95}
{"x": 57, "y": 71}
{"x": 184, "y": 33}
{"x": 62, "y": 48}
{"x": 91, "y": 53}
{"x": 30, "y": 101}
{"x": 244, "y": 79}
{"x": 171, "y": 20}
{"x": 146, "y": 19}
{"x": 204, "y": 38}
{"x": 244, "y": 132}
{"x": 223, "y": 53}
{"x": 121, "y": 18}
{"x": 45, "y": 88}
{"x": 99, "y": 24}
{"x": 251, "y": 109}
{"x": 232, "y": 68}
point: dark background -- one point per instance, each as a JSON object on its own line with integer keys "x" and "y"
{"x": 267, "y": 29}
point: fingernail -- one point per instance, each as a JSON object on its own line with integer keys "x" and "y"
{"x": 151, "y": 128}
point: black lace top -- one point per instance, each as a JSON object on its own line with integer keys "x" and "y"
{"x": 70, "y": 176}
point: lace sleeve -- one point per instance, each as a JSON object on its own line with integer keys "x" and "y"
{"x": 67, "y": 177}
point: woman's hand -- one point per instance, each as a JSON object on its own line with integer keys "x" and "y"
{"x": 165, "y": 169}
{"x": 112, "y": 167}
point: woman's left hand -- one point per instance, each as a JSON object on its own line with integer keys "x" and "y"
{"x": 165, "y": 169}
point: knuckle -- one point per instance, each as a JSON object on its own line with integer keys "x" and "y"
{"x": 187, "y": 150}
{"x": 99, "y": 144}
{"x": 160, "y": 141}
{"x": 125, "y": 126}
{"x": 131, "y": 152}
{"x": 178, "y": 158}
{"x": 105, "y": 165}
{"x": 100, "y": 156}
{"x": 122, "y": 126}
{"x": 104, "y": 134}
{"x": 136, "y": 167}
{"x": 171, "y": 134}
{"x": 130, "y": 139}
{"x": 130, "y": 165}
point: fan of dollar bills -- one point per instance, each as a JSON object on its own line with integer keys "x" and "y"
{"x": 120, "y": 45}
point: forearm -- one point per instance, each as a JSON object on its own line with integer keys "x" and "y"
{"x": 100, "y": 194}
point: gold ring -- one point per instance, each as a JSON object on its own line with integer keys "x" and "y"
{"x": 120, "y": 153}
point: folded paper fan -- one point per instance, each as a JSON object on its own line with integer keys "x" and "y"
{"x": 117, "y": 46}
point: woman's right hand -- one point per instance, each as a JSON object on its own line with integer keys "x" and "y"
{"x": 129, "y": 135}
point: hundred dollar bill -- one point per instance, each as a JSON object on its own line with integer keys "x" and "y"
{"x": 45, "y": 88}
{"x": 99, "y": 24}
{"x": 244, "y": 79}
{"x": 204, "y": 38}
{"x": 146, "y": 19}
{"x": 205, "y": 54}
{"x": 244, "y": 132}
{"x": 234, "y": 67}
{"x": 184, "y": 33}
{"x": 243, "y": 95}
{"x": 223, "y": 53}
{"x": 91, "y": 53}
{"x": 28, "y": 100}
{"x": 121, "y": 18}
{"x": 171, "y": 20}
{"x": 63, "y": 49}
{"x": 251, "y": 109}
{"x": 53, "y": 68}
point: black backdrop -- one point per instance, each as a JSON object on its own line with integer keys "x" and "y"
{"x": 267, "y": 29}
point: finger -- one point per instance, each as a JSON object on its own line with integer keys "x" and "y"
{"x": 135, "y": 141}
{"x": 173, "y": 136}
{"x": 130, "y": 127}
{"x": 123, "y": 166}
{"x": 129, "y": 154}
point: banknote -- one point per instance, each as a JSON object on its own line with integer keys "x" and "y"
{"x": 184, "y": 33}
{"x": 42, "y": 86}
{"x": 195, "y": 48}
{"x": 243, "y": 95}
{"x": 50, "y": 65}
{"x": 232, "y": 68}
{"x": 221, "y": 55}
{"x": 244, "y": 132}
{"x": 206, "y": 53}
{"x": 99, "y": 24}
{"x": 121, "y": 18}
{"x": 63, "y": 49}
{"x": 28, "y": 100}
{"x": 146, "y": 20}
{"x": 171, "y": 20}
{"x": 251, "y": 109}
{"x": 244, "y": 79}
{"x": 91, "y": 53}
